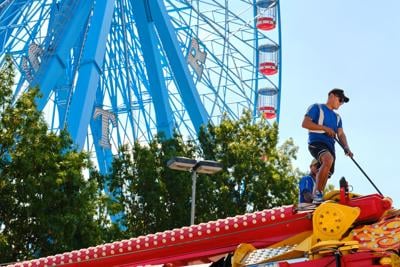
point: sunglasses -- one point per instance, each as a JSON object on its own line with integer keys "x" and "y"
{"x": 341, "y": 98}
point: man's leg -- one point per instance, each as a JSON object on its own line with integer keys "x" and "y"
{"x": 326, "y": 159}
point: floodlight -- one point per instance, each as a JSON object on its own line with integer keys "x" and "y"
{"x": 181, "y": 163}
{"x": 194, "y": 166}
{"x": 207, "y": 167}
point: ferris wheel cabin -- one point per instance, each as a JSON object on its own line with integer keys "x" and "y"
{"x": 266, "y": 14}
{"x": 267, "y": 101}
{"x": 268, "y": 58}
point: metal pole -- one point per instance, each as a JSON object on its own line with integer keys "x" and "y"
{"x": 359, "y": 167}
{"x": 194, "y": 177}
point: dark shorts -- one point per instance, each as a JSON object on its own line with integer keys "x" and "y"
{"x": 317, "y": 149}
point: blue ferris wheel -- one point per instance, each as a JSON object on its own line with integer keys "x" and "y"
{"x": 118, "y": 71}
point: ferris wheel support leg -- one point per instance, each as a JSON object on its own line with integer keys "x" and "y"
{"x": 55, "y": 58}
{"x": 187, "y": 88}
{"x": 104, "y": 158}
{"x": 81, "y": 108}
{"x": 152, "y": 59}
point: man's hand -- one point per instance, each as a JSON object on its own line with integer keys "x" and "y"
{"x": 308, "y": 197}
{"x": 329, "y": 131}
{"x": 348, "y": 152}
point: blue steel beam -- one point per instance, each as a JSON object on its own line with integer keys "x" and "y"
{"x": 179, "y": 67}
{"x": 129, "y": 81}
{"x": 66, "y": 34}
{"x": 256, "y": 63}
{"x": 81, "y": 108}
{"x": 278, "y": 106}
{"x": 9, "y": 12}
{"x": 64, "y": 87}
{"x": 103, "y": 155}
{"x": 152, "y": 59}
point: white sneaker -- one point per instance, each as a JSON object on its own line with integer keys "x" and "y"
{"x": 318, "y": 198}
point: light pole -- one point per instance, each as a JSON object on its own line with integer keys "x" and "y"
{"x": 194, "y": 166}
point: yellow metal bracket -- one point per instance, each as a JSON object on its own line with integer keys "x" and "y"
{"x": 330, "y": 222}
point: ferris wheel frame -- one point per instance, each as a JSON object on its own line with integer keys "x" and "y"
{"x": 108, "y": 93}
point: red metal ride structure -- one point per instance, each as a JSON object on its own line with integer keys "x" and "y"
{"x": 346, "y": 230}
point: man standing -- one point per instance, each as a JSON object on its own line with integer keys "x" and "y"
{"x": 323, "y": 125}
{"x": 306, "y": 184}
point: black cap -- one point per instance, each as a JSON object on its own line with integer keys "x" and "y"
{"x": 339, "y": 93}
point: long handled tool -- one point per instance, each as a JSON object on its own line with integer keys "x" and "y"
{"x": 355, "y": 162}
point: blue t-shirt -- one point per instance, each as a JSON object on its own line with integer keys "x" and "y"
{"x": 306, "y": 184}
{"x": 328, "y": 118}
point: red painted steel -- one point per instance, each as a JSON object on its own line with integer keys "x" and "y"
{"x": 268, "y": 68}
{"x": 266, "y": 23}
{"x": 187, "y": 244}
{"x": 372, "y": 206}
{"x": 362, "y": 259}
{"x": 268, "y": 112}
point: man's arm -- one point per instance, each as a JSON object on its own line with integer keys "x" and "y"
{"x": 310, "y": 125}
{"x": 343, "y": 140}
{"x": 307, "y": 196}
{"x": 305, "y": 189}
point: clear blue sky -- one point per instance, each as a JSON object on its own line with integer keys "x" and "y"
{"x": 353, "y": 45}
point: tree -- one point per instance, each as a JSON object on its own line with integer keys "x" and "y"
{"x": 152, "y": 197}
{"x": 47, "y": 206}
{"x": 257, "y": 175}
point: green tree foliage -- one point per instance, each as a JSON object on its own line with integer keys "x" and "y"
{"x": 46, "y": 204}
{"x": 153, "y": 198}
{"x": 257, "y": 175}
